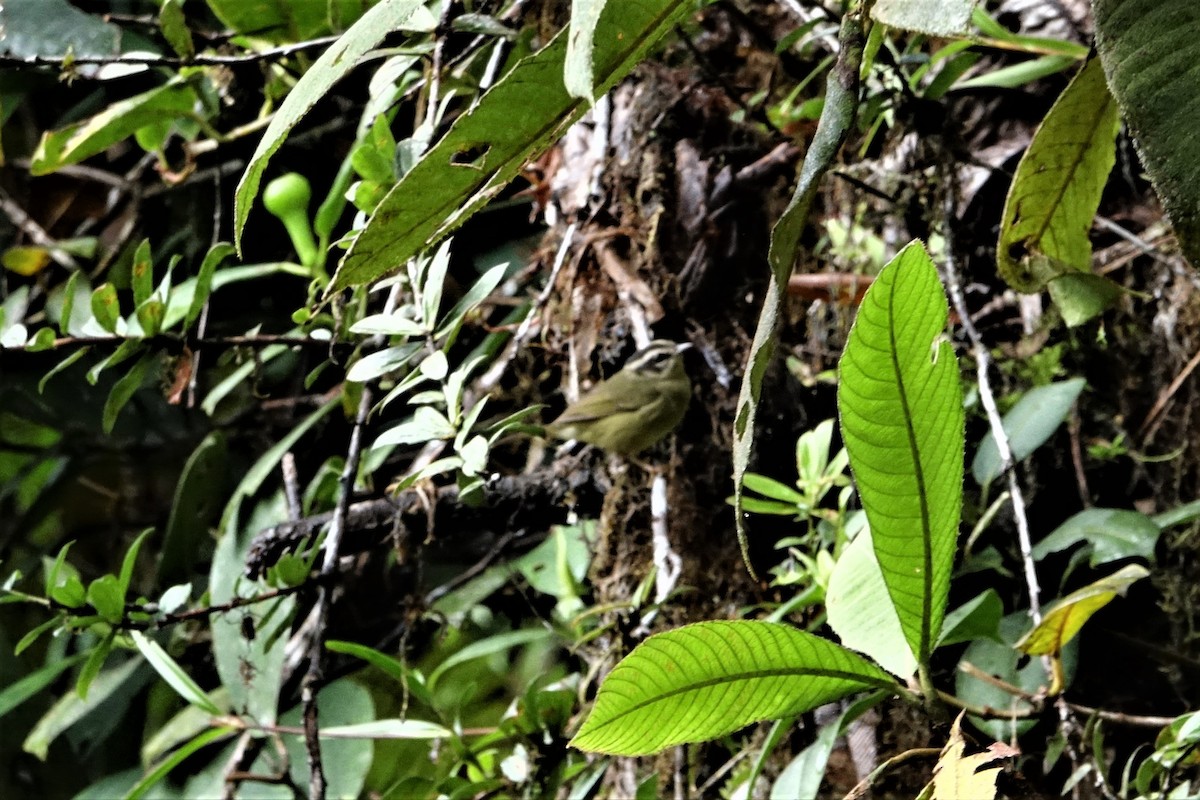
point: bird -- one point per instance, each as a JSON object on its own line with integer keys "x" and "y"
{"x": 634, "y": 409}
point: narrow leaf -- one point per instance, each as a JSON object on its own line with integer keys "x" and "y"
{"x": 837, "y": 119}
{"x": 1063, "y": 619}
{"x": 577, "y": 72}
{"x": 175, "y": 676}
{"x": 902, "y": 418}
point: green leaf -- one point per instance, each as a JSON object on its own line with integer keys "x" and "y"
{"x": 1028, "y": 425}
{"x": 901, "y": 410}
{"x": 706, "y": 680}
{"x": 1005, "y": 662}
{"x": 119, "y": 120}
{"x": 176, "y": 758}
{"x": 124, "y": 389}
{"x": 389, "y": 729}
{"x": 499, "y": 643}
{"x": 198, "y": 496}
{"x": 57, "y": 28}
{"x": 91, "y": 667}
{"x": 254, "y": 692}
{"x": 1148, "y": 48}
{"x": 334, "y": 64}
{"x": 174, "y": 28}
{"x": 769, "y": 487}
{"x": 104, "y": 594}
{"x": 142, "y": 273}
{"x": 837, "y": 119}
{"x": 30, "y": 685}
{"x": 381, "y": 362}
{"x": 106, "y": 307}
{"x": 150, "y": 316}
{"x": 130, "y": 561}
{"x": 175, "y": 676}
{"x": 1056, "y": 191}
{"x": 943, "y": 18}
{"x": 33, "y": 635}
{"x": 1110, "y": 534}
{"x": 204, "y": 280}
{"x": 1062, "y": 620}
{"x": 856, "y": 613}
{"x": 70, "y": 708}
{"x": 978, "y": 618}
{"x": 397, "y": 670}
{"x": 478, "y": 292}
{"x": 488, "y": 145}
{"x": 577, "y": 67}
{"x": 425, "y": 425}
{"x": 341, "y": 704}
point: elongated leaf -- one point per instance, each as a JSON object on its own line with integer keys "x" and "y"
{"x": 389, "y": 729}
{"x": 577, "y": 74}
{"x": 1055, "y": 193}
{"x": 902, "y": 418}
{"x": 1063, "y": 619}
{"x": 1110, "y": 534}
{"x": 204, "y": 280}
{"x": 837, "y": 118}
{"x": 486, "y": 147}
{"x": 84, "y": 139}
{"x": 124, "y": 679}
{"x": 331, "y": 67}
{"x": 499, "y": 643}
{"x": 25, "y": 688}
{"x": 194, "y": 509}
{"x": 175, "y": 759}
{"x": 1028, "y": 425}
{"x": 1149, "y": 50}
{"x": 123, "y": 391}
{"x": 170, "y": 671}
{"x": 709, "y": 679}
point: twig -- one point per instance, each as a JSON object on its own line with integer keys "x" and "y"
{"x": 1154, "y": 417}
{"x": 170, "y": 342}
{"x": 201, "y": 59}
{"x": 36, "y": 234}
{"x": 864, "y": 786}
{"x": 982, "y": 364}
{"x": 667, "y": 562}
{"x": 312, "y": 678}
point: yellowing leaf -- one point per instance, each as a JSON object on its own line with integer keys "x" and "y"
{"x": 1064, "y": 618}
{"x": 958, "y": 776}
{"x": 25, "y": 260}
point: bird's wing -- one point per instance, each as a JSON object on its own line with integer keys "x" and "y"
{"x": 589, "y": 408}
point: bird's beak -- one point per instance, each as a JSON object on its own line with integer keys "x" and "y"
{"x": 679, "y": 348}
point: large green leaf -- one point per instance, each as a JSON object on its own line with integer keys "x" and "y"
{"x": 709, "y": 679}
{"x": 837, "y": 118}
{"x": 1055, "y": 193}
{"x": 331, "y": 67}
{"x": 902, "y": 418}
{"x": 486, "y": 147}
{"x": 1149, "y": 50}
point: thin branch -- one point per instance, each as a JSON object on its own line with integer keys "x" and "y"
{"x": 983, "y": 363}
{"x": 171, "y": 342}
{"x": 66, "y": 62}
{"x": 312, "y": 678}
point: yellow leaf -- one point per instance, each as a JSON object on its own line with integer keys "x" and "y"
{"x": 1064, "y": 618}
{"x": 25, "y": 260}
